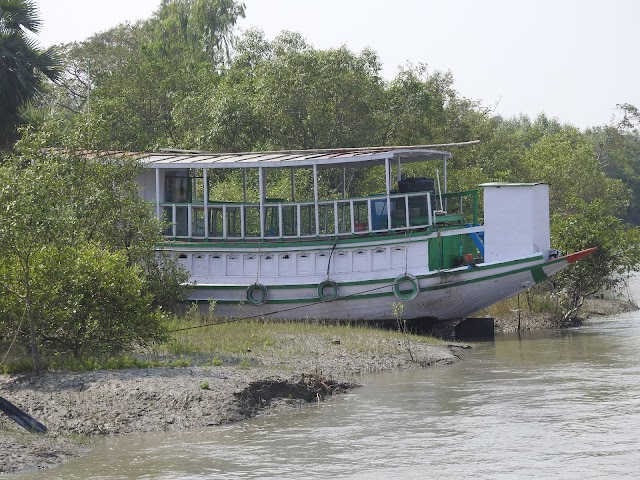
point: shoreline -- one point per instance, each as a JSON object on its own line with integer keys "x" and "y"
{"x": 595, "y": 307}
{"x": 78, "y": 405}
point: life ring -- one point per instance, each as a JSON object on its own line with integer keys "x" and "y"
{"x": 406, "y": 295}
{"x": 257, "y": 294}
{"x": 332, "y": 288}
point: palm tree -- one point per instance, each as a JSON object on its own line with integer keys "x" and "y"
{"x": 24, "y": 67}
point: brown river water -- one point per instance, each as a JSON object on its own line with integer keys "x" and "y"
{"x": 554, "y": 404}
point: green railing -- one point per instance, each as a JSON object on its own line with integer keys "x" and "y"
{"x": 353, "y": 216}
{"x": 460, "y": 207}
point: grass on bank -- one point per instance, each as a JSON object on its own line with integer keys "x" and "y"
{"x": 207, "y": 340}
{"x": 280, "y": 339}
{"x": 527, "y": 303}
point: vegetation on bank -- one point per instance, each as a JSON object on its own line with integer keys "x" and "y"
{"x": 78, "y": 273}
{"x": 78, "y": 276}
{"x": 205, "y": 341}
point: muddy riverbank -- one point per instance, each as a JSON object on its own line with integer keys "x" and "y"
{"x": 540, "y": 321}
{"x": 75, "y": 406}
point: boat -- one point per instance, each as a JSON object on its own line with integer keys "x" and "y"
{"x": 308, "y": 251}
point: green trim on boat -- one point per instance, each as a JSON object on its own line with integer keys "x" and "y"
{"x": 538, "y": 274}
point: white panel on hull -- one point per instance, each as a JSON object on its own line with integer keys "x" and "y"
{"x": 322, "y": 262}
{"x": 217, "y": 265}
{"x": 185, "y": 260}
{"x": 304, "y": 264}
{"x": 361, "y": 261}
{"x": 268, "y": 265}
{"x": 200, "y": 267}
{"x": 250, "y": 265}
{"x": 234, "y": 265}
{"x": 379, "y": 259}
{"x": 417, "y": 256}
{"x": 341, "y": 262}
{"x": 286, "y": 264}
{"x": 398, "y": 257}
{"x": 366, "y": 263}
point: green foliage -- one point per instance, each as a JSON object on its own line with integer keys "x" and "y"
{"x": 70, "y": 363}
{"x": 22, "y": 365}
{"x": 617, "y": 149}
{"x": 216, "y": 362}
{"x": 165, "y": 280}
{"x": 77, "y": 268}
{"x": 74, "y": 364}
{"x": 194, "y": 28}
{"x": 23, "y": 66}
{"x": 100, "y": 306}
{"x": 121, "y": 87}
{"x": 618, "y": 255}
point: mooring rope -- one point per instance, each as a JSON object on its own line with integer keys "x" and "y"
{"x": 335, "y": 244}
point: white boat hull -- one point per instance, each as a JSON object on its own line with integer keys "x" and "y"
{"x": 442, "y": 295}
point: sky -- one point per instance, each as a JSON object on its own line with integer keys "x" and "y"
{"x": 573, "y": 60}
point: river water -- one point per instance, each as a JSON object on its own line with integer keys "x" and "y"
{"x": 555, "y": 404}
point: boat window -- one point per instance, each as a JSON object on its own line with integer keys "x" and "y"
{"x": 234, "y": 226}
{"x": 182, "y": 221}
{"x": 252, "y": 221}
{"x": 307, "y": 220}
{"x": 167, "y": 219}
{"x": 224, "y": 185}
{"x": 177, "y": 188}
{"x": 197, "y": 222}
{"x": 326, "y": 218}
{"x": 216, "y": 218}
{"x": 289, "y": 220}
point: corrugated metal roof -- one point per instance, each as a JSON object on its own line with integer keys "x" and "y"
{"x": 290, "y": 158}
{"x": 169, "y": 158}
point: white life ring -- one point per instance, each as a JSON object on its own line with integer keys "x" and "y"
{"x": 404, "y": 294}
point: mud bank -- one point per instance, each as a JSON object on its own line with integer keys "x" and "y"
{"x": 76, "y": 406}
{"x": 540, "y": 321}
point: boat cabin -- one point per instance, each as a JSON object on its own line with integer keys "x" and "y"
{"x": 300, "y": 194}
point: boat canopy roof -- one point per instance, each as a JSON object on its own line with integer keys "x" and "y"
{"x": 343, "y": 157}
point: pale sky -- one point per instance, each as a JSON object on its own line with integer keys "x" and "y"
{"x": 574, "y": 60}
